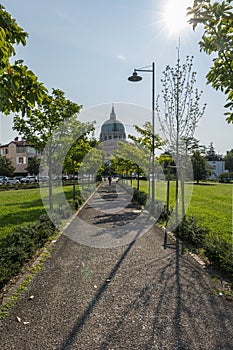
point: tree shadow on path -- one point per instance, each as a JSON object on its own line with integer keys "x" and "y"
{"x": 85, "y": 315}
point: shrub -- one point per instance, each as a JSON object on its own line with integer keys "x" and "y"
{"x": 220, "y": 253}
{"x": 191, "y": 232}
{"x": 217, "y": 250}
{"x": 75, "y": 204}
{"x": 225, "y": 177}
{"x": 17, "y": 248}
{"x": 98, "y": 178}
{"x": 139, "y": 197}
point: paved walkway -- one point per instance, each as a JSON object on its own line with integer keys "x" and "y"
{"x": 107, "y": 296}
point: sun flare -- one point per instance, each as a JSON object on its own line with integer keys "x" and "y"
{"x": 174, "y": 15}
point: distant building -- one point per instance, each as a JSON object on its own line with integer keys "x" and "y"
{"x": 217, "y": 165}
{"x": 19, "y": 152}
{"x": 112, "y": 131}
{"x": 216, "y": 162}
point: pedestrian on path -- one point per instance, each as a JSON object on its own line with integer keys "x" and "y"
{"x": 110, "y": 180}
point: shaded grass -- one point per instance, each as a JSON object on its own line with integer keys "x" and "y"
{"x": 22, "y": 207}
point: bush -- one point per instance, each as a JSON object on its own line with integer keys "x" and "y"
{"x": 191, "y": 232}
{"x": 225, "y": 177}
{"x": 19, "y": 186}
{"x": 17, "y": 248}
{"x": 139, "y": 197}
{"x": 75, "y": 204}
{"x": 219, "y": 252}
{"x": 98, "y": 178}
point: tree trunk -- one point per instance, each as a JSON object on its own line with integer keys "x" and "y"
{"x": 74, "y": 190}
{"x": 50, "y": 178}
{"x": 149, "y": 182}
{"x": 138, "y": 179}
{"x": 168, "y": 188}
{"x": 182, "y": 192}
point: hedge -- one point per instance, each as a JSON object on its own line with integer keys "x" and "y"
{"x": 17, "y": 248}
{"x": 217, "y": 250}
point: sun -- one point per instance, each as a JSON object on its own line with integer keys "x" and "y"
{"x": 174, "y": 15}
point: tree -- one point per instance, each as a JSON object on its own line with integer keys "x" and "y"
{"x": 145, "y": 142}
{"x": 33, "y": 166}
{"x": 180, "y": 116}
{"x": 45, "y": 128}
{"x": 201, "y": 168}
{"x": 76, "y": 154}
{"x": 6, "y": 166}
{"x": 229, "y": 161}
{"x": 19, "y": 86}
{"x": 93, "y": 161}
{"x": 133, "y": 158}
{"x": 78, "y": 151}
{"x": 210, "y": 153}
{"x": 192, "y": 144}
{"x": 217, "y": 19}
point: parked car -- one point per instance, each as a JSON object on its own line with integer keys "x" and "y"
{"x": 43, "y": 179}
{"x": 28, "y": 179}
{"x": 12, "y": 181}
{"x": 18, "y": 177}
{"x": 3, "y": 180}
{"x": 65, "y": 177}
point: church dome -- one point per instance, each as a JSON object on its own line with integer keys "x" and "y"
{"x": 112, "y": 129}
{"x": 110, "y": 126}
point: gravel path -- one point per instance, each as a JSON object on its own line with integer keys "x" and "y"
{"x": 136, "y": 296}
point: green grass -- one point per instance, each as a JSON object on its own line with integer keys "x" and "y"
{"x": 210, "y": 203}
{"x": 21, "y": 207}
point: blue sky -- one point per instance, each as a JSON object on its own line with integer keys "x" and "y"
{"x": 88, "y": 48}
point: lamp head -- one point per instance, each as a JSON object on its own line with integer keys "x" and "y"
{"x": 135, "y": 77}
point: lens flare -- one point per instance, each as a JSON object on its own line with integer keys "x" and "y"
{"x": 174, "y": 15}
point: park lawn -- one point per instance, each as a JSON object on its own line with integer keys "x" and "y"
{"x": 211, "y": 204}
{"x": 21, "y": 207}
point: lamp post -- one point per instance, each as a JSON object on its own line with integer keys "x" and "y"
{"x": 134, "y": 78}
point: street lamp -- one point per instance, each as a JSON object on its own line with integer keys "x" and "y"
{"x": 134, "y": 78}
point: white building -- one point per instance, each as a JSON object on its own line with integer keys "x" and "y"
{"x": 218, "y": 167}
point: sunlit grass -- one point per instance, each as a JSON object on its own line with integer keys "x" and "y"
{"x": 211, "y": 203}
{"x": 21, "y": 207}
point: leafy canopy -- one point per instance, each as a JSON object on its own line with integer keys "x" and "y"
{"x": 217, "y": 39}
{"x": 33, "y": 166}
{"x": 41, "y": 123}
{"x": 201, "y": 168}
{"x": 145, "y": 138}
{"x": 19, "y": 87}
{"x": 229, "y": 161}
{"x": 6, "y": 167}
